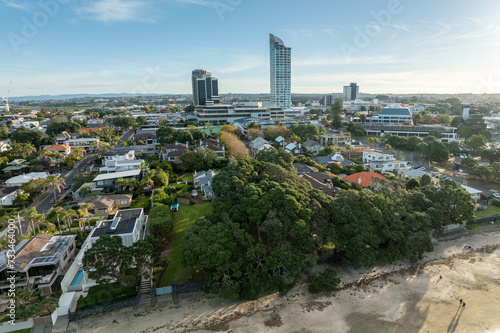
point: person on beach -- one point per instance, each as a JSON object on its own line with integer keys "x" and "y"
{"x": 463, "y": 304}
{"x": 461, "y": 301}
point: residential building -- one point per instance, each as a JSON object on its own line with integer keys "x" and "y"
{"x": 8, "y": 194}
{"x": 143, "y": 151}
{"x": 203, "y": 180}
{"x": 102, "y": 206}
{"x": 336, "y": 139}
{"x": 31, "y": 125}
{"x": 129, "y": 224}
{"x": 214, "y": 145}
{"x": 281, "y": 67}
{"x": 448, "y": 134}
{"x": 121, "y": 165}
{"x": 376, "y": 156}
{"x": 146, "y": 135}
{"x": 64, "y": 136}
{"x": 312, "y": 146}
{"x": 172, "y": 152}
{"x": 351, "y": 92}
{"x": 385, "y": 166}
{"x": 119, "y": 154}
{"x": 39, "y": 263}
{"x": 334, "y": 157}
{"x": 257, "y": 145}
{"x": 294, "y": 149}
{"x": 4, "y": 145}
{"x": 23, "y": 179}
{"x": 321, "y": 181}
{"x": 16, "y": 167}
{"x": 83, "y": 143}
{"x": 392, "y": 116}
{"x": 302, "y": 168}
{"x": 221, "y": 114}
{"x": 61, "y": 149}
{"x": 363, "y": 178}
{"x": 107, "y": 181}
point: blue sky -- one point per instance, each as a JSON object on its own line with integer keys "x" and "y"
{"x": 146, "y": 46}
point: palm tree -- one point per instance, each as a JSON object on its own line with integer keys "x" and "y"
{"x": 59, "y": 210}
{"x": 69, "y": 215}
{"x": 32, "y": 214}
{"x": 78, "y": 150}
{"x": 55, "y": 182}
{"x": 120, "y": 183}
{"x": 84, "y": 213}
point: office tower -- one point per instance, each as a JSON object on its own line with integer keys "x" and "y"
{"x": 351, "y": 92}
{"x": 280, "y": 57}
{"x": 205, "y": 88}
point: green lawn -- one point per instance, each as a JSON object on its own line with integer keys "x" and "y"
{"x": 188, "y": 177}
{"x": 183, "y": 219}
{"x": 26, "y": 330}
{"x": 490, "y": 211}
{"x": 141, "y": 203}
{"x": 106, "y": 292}
{"x": 475, "y": 226}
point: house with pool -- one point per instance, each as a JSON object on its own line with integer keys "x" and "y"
{"x": 129, "y": 224}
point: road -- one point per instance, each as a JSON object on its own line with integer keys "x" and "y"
{"x": 126, "y": 136}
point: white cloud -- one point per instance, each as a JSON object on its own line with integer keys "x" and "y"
{"x": 115, "y": 11}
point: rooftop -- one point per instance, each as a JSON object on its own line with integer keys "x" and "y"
{"x": 363, "y": 178}
{"x": 6, "y": 190}
{"x": 395, "y": 112}
{"x": 116, "y": 175}
{"x": 123, "y": 223}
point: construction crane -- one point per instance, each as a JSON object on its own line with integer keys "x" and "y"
{"x": 5, "y": 99}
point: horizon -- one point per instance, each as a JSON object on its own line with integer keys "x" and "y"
{"x": 62, "y": 47}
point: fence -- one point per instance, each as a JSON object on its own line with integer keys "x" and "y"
{"x": 103, "y": 307}
{"x": 180, "y": 289}
{"x": 493, "y": 218}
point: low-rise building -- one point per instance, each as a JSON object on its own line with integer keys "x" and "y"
{"x": 121, "y": 165}
{"x": 392, "y": 116}
{"x": 376, "y": 156}
{"x": 312, "y": 146}
{"x": 203, "y": 180}
{"x": 385, "y": 166}
{"x": 172, "y": 152}
{"x": 129, "y": 224}
{"x": 39, "y": 263}
{"x": 8, "y": 194}
{"x": 120, "y": 153}
{"x": 257, "y": 145}
{"x": 82, "y": 142}
{"x": 61, "y": 149}
{"x": 16, "y": 167}
{"x": 23, "y": 179}
{"x": 334, "y": 157}
{"x": 337, "y": 139}
{"x": 364, "y": 179}
{"x": 102, "y": 206}
{"x": 107, "y": 181}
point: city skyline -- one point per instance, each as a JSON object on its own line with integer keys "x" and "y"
{"x": 137, "y": 46}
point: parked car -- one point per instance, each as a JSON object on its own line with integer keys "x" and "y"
{"x": 82, "y": 169}
{"x": 89, "y": 162}
{"x": 496, "y": 195}
{"x": 67, "y": 187}
{"x": 52, "y": 201}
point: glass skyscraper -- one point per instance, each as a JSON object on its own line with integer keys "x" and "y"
{"x": 205, "y": 88}
{"x": 281, "y": 59}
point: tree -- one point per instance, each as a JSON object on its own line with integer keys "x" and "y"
{"x": 327, "y": 281}
{"x": 160, "y": 178}
{"x": 100, "y": 148}
{"x": 183, "y": 136}
{"x": 20, "y": 150}
{"x": 229, "y": 129}
{"x": 277, "y": 156}
{"x": 412, "y": 183}
{"x": 109, "y": 260}
{"x": 425, "y": 180}
{"x": 305, "y": 131}
{"x": 161, "y": 221}
{"x": 58, "y": 211}
{"x": 165, "y": 134}
{"x": 201, "y": 159}
{"x": 55, "y": 183}
{"x": 444, "y": 119}
{"x": 234, "y": 145}
{"x": 24, "y": 135}
{"x": 456, "y": 121}
{"x": 476, "y": 141}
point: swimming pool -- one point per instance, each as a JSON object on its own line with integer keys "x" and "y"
{"x": 77, "y": 280}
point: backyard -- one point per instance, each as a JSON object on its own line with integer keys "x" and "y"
{"x": 105, "y": 292}
{"x": 183, "y": 219}
{"x": 491, "y": 210}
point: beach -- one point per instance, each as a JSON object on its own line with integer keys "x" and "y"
{"x": 422, "y": 297}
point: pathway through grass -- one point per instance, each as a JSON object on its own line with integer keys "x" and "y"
{"x": 183, "y": 219}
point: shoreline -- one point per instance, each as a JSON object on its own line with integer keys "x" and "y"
{"x": 421, "y": 297}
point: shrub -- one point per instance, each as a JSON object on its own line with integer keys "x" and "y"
{"x": 496, "y": 202}
{"x": 192, "y": 201}
{"x": 326, "y": 281}
{"x": 161, "y": 221}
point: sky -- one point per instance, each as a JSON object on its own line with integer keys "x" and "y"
{"x": 144, "y": 46}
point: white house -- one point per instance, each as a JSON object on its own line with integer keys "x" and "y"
{"x": 83, "y": 142}
{"x": 8, "y": 194}
{"x": 393, "y": 116}
{"x": 23, "y": 179}
{"x": 375, "y": 156}
{"x": 120, "y": 165}
{"x": 258, "y": 145}
{"x": 387, "y": 165}
{"x": 122, "y": 153}
{"x": 204, "y": 181}
{"x": 129, "y": 224}
{"x": 312, "y": 146}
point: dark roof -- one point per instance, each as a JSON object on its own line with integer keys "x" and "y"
{"x": 299, "y": 168}
{"x": 326, "y": 188}
{"x": 6, "y": 190}
{"x": 125, "y": 225}
{"x": 177, "y": 152}
{"x": 347, "y": 162}
{"x": 395, "y": 112}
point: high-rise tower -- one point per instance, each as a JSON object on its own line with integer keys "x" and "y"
{"x": 351, "y": 92}
{"x": 205, "y": 87}
{"x": 280, "y": 58}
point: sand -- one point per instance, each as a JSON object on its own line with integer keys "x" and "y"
{"x": 393, "y": 298}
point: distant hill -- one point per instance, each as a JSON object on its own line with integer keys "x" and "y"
{"x": 71, "y": 96}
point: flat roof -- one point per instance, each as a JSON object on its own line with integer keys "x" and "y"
{"x": 125, "y": 223}
{"x": 115, "y": 175}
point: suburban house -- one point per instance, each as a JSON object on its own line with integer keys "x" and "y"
{"x": 121, "y": 165}
{"x": 102, "y": 206}
{"x": 334, "y": 157}
{"x": 8, "y": 194}
{"x": 203, "y": 180}
{"x": 257, "y": 145}
{"x": 383, "y": 162}
{"x": 61, "y": 149}
{"x": 336, "y": 139}
{"x": 39, "y": 263}
{"x": 321, "y": 181}
{"x": 143, "y": 151}
{"x": 146, "y": 135}
{"x": 89, "y": 129}
{"x": 172, "y": 152}
{"x": 213, "y": 145}
{"x": 293, "y": 148}
{"x": 107, "y": 181}
{"x": 363, "y": 178}
{"x": 129, "y": 224}
{"x": 16, "y": 167}
{"x": 120, "y": 153}
{"x": 302, "y": 168}
{"x": 83, "y": 143}
{"x": 312, "y": 146}
{"x": 23, "y": 179}
{"x": 4, "y": 145}
{"x": 65, "y": 136}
